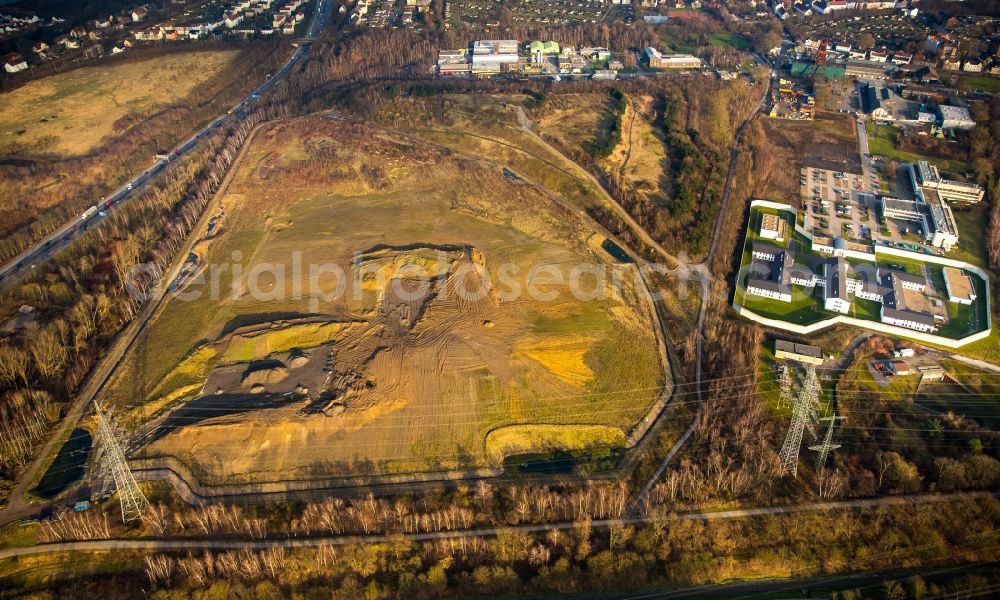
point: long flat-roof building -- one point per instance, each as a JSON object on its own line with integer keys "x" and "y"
{"x": 494, "y": 51}
{"x": 925, "y": 176}
{"x": 929, "y": 208}
{"x": 657, "y": 60}
{"x": 785, "y": 350}
{"x": 835, "y": 287}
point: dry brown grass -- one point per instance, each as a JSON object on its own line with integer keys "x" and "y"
{"x": 439, "y": 385}
{"x": 71, "y": 113}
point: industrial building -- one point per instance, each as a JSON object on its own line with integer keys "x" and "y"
{"x": 656, "y": 60}
{"x": 784, "y": 350}
{"x": 955, "y": 117}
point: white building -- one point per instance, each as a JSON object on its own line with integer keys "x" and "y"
{"x": 959, "y": 286}
{"x": 494, "y": 51}
{"x": 772, "y": 227}
{"x": 835, "y": 288}
{"x": 925, "y": 176}
{"x": 955, "y": 117}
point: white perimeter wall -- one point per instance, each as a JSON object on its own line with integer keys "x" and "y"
{"x": 874, "y": 325}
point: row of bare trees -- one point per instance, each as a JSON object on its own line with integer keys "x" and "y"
{"x": 585, "y": 559}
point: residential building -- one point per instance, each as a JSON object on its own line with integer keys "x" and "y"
{"x": 820, "y": 7}
{"x": 973, "y": 65}
{"x": 902, "y": 58}
{"x": 880, "y": 55}
{"x": 14, "y": 62}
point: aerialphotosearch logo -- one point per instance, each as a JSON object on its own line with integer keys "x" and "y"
{"x": 408, "y": 277}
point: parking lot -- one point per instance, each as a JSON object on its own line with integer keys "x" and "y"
{"x": 838, "y": 204}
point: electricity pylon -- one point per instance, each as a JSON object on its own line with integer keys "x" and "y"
{"x": 114, "y": 470}
{"x": 803, "y": 414}
{"x": 785, "y": 381}
{"x": 827, "y": 444}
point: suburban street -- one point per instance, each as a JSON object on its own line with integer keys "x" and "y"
{"x": 45, "y": 248}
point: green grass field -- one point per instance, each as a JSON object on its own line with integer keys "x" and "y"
{"x": 972, "y": 222}
{"x": 882, "y": 141}
{"x": 982, "y": 83}
{"x": 733, "y": 40}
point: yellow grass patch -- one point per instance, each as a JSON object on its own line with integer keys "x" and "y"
{"x": 524, "y": 439}
{"x": 192, "y": 369}
{"x": 255, "y": 346}
{"x": 70, "y": 113}
{"x": 562, "y": 356}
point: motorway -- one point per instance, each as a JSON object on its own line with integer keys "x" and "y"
{"x": 45, "y": 248}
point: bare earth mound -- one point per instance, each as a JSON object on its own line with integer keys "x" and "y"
{"x": 418, "y": 311}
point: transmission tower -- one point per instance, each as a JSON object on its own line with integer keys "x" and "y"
{"x": 827, "y": 444}
{"x": 785, "y": 381}
{"x": 114, "y": 470}
{"x": 803, "y": 415}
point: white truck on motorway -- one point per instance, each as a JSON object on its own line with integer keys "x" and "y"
{"x": 88, "y": 213}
